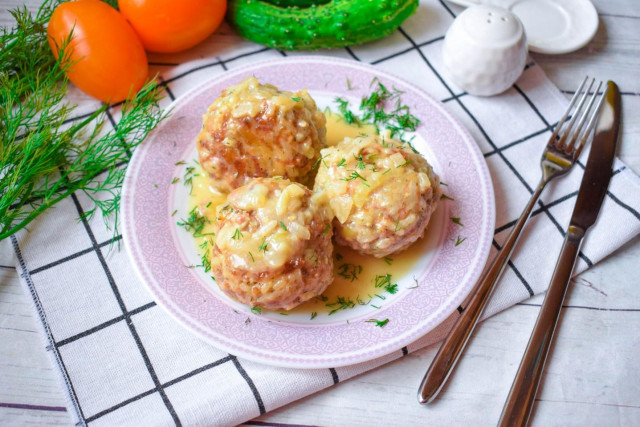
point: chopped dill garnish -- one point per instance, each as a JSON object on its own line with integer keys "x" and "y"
{"x": 283, "y": 314}
{"x": 326, "y": 228}
{"x": 256, "y": 310}
{"x": 375, "y": 306}
{"x": 208, "y": 204}
{"x": 382, "y": 280}
{"x": 392, "y": 288}
{"x": 379, "y": 323}
{"x": 263, "y": 247}
{"x": 180, "y": 163}
{"x": 317, "y": 162}
{"x": 347, "y": 115}
{"x": 456, "y": 220}
{"x": 314, "y": 257}
{"x": 349, "y": 87}
{"x": 444, "y": 196}
{"x": 349, "y": 271}
{"x": 341, "y": 303}
{"x": 388, "y": 260}
{"x": 313, "y": 315}
{"x": 359, "y": 162}
{"x": 237, "y": 235}
{"x": 361, "y": 302}
{"x": 175, "y": 180}
{"x": 205, "y": 258}
{"x": 382, "y": 297}
{"x": 416, "y": 283}
{"x": 444, "y": 183}
{"x": 384, "y": 109}
{"x": 189, "y": 173}
{"x": 284, "y": 227}
{"x": 354, "y": 175}
{"x": 322, "y": 298}
{"x": 251, "y": 255}
{"x": 174, "y": 212}
{"x": 404, "y": 164}
{"x": 342, "y": 162}
{"x": 397, "y": 223}
{"x": 296, "y": 99}
{"x": 459, "y": 241}
{"x": 195, "y": 224}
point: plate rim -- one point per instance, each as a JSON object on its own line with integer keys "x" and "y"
{"x": 314, "y": 361}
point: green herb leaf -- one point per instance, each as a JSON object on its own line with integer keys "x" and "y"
{"x": 237, "y": 235}
{"x": 379, "y": 323}
{"x": 459, "y": 241}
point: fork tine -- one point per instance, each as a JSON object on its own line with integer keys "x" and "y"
{"x": 567, "y": 130}
{"x": 592, "y": 122}
{"x": 568, "y": 110}
{"x": 583, "y": 119}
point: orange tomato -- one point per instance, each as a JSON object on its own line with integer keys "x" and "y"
{"x": 173, "y": 25}
{"x": 108, "y": 60}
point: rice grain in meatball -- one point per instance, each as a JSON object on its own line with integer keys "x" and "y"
{"x": 273, "y": 244}
{"x": 255, "y": 130}
{"x": 381, "y": 191}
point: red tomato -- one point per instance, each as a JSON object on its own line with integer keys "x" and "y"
{"x": 108, "y": 61}
{"x": 173, "y": 25}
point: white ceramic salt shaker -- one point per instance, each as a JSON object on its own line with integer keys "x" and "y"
{"x": 485, "y": 50}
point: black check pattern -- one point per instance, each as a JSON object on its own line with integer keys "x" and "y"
{"x": 176, "y": 78}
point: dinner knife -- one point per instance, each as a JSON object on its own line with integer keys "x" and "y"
{"x": 593, "y": 189}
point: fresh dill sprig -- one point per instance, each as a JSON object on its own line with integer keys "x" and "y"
{"x": 41, "y": 161}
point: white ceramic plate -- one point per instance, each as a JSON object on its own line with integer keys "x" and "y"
{"x": 551, "y": 26}
{"x": 445, "y": 273}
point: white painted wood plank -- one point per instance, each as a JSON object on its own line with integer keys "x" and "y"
{"x": 583, "y": 385}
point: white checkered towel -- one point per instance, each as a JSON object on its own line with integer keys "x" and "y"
{"x": 124, "y": 361}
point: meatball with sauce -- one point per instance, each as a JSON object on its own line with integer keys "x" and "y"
{"x": 255, "y": 130}
{"x": 381, "y": 192}
{"x": 273, "y": 244}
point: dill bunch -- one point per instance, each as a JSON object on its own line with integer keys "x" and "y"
{"x": 44, "y": 154}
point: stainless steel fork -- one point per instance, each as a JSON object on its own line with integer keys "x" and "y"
{"x": 560, "y": 154}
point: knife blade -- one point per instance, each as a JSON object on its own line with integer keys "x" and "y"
{"x": 593, "y": 189}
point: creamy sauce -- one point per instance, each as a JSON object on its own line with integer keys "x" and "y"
{"x": 338, "y": 129}
{"x": 362, "y": 289}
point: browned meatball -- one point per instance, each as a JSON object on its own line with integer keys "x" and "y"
{"x": 381, "y": 191}
{"x": 254, "y": 130}
{"x": 273, "y": 244}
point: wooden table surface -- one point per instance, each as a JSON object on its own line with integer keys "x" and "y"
{"x": 592, "y": 377}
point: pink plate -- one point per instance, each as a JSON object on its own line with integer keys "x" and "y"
{"x": 161, "y": 251}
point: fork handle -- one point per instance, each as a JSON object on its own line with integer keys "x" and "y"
{"x": 454, "y": 344}
{"x": 519, "y": 404}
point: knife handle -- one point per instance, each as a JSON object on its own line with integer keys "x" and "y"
{"x": 519, "y": 403}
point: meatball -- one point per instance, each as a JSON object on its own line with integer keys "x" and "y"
{"x": 273, "y": 244}
{"x": 254, "y": 130}
{"x": 381, "y": 192}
